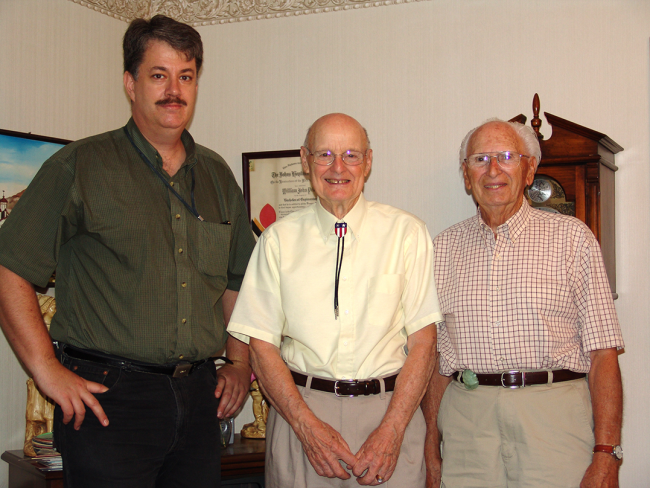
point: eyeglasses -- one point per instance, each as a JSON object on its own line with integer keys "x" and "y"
{"x": 327, "y": 157}
{"x": 506, "y": 159}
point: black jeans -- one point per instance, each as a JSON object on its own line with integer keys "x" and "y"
{"x": 163, "y": 431}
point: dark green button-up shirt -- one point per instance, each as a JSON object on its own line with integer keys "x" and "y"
{"x": 137, "y": 275}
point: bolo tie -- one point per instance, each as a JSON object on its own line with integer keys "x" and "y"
{"x": 340, "y": 228}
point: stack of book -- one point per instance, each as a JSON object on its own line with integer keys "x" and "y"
{"x": 48, "y": 457}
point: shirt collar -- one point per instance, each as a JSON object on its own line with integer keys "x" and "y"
{"x": 354, "y": 219}
{"x": 512, "y": 228}
{"x": 151, "y": 152}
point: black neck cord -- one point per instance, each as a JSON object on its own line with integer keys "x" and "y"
{"x": 191, "y": 209}
{"x": 340, "y": 229}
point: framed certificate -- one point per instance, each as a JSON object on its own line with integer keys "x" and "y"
{"x": 274, "y": 186}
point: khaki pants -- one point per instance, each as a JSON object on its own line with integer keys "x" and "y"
{"x": 538, "y": 436}
{"x": 355, "y": 418}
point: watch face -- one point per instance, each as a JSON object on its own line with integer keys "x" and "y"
{"x": 618, "y": 452}
{"x": 540, "y": 191}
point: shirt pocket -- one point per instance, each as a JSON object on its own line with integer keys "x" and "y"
{"x": 546, "y": 316}
{"x": 214, "y": 248}
{"x": 384, "y": 294}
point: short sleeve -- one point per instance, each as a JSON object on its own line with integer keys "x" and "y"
{"x": 42, "y": 220}
{"x": 258, "y": 312}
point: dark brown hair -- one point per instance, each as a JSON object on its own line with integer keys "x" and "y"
{"x": 181, "y": 37}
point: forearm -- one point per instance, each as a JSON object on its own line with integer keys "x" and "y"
{"x": 413, "y": 379}
{"x": 431, "y": 405}
{"x": 606, "y": 391}
{"x": 276, "y": 382}
{"x": 22, "y": 323}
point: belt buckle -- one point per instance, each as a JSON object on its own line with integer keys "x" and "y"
{"x": 513, "y": 387}
{"x": 181, "y": 370}
{"x": 337, "y": 387}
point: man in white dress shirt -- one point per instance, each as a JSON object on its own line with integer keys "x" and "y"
{"x": 339, "y": 306}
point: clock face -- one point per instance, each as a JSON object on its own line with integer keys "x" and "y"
{"x": 540, "y": 191}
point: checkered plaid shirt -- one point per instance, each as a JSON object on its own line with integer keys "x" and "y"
{"x": 536, "y": 297}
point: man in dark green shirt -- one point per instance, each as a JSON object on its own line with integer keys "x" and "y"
{"x": 149, "y": 237}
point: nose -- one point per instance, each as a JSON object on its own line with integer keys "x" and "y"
{"x": 494, "y": 168}
{"x": 338, "y": 165}
{"x": 173, "y": 87}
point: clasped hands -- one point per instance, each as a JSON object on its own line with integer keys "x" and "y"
{"x": 377, "y": 456}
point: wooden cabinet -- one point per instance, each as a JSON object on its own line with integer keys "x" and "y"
{"x": 242, "y": 463}
{"x": 582, "y": 161}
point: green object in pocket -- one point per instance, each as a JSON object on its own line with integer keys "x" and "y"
{"x": 470, "y": 380}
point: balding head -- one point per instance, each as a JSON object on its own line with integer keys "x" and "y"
{"x": 335, "y": 118}
{"x": 337, "y": 159}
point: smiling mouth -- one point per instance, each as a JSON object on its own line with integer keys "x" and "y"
{"x": 495, "y": 186}
{"x": 337, "y": 182}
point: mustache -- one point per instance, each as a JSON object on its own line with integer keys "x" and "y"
{"x": 170, "y": 100}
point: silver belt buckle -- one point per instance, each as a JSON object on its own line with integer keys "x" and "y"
{"x": 336, "y": 388}
{"x": 512, "y": 387}
{"x": 182, "y": 369}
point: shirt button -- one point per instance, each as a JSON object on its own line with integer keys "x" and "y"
{"x": 345, "y": 343}
{"x": 178, "y": 216}
{"x": 347, "y": 311}
{"x": 184, "y": 321}
{"x": 498, "y": 288}
{"x": 172, "y": 183}
{"x": 184, "y": 284}
{"x": 343, "y": 378}
{"x": 180, "y": 251}
{"x": 497, "y": 323}
{"x": 180, "y": 357}
{"x": 345, "y": 278}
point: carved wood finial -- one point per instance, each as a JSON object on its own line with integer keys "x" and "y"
{"x": 536, "y": 122}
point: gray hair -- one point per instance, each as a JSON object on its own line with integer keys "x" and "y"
{"x": 525, "y": 133}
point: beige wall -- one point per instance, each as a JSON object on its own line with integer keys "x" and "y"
{"x": 418, "y": 76}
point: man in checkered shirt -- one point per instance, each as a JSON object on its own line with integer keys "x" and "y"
{"x": 528, "y": 313}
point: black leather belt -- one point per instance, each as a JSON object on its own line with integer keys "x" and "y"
{"x": 350, "y": 388}
{"x": 178, "y": 370}
{"x": 519, "y": 379}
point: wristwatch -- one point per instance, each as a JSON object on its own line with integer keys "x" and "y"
{"x": 615, "y": 451}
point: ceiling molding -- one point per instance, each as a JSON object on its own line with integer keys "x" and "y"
{"x": 212, "y": 12}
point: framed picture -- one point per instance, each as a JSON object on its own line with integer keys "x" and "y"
{"x": 274, "y": 186}
{"x": 21, "y": 156}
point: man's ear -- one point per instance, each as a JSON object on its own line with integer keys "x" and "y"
{"x": 530, "y": 175}
{"x": 129, "y": 85}
{"x": 303, "y": 160}
{"x": 468, "y": 182}
{"x": 368, "y": 163}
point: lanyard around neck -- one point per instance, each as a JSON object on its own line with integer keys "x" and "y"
{"x": 191, "y": 209}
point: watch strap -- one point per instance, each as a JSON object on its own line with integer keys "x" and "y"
{"x": 608, "y": 449}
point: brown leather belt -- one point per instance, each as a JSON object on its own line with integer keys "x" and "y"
{"x": 350, "y": 388}
{"x": 519, "y": 379}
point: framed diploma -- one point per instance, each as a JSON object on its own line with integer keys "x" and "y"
{"x": 274, "y": 186}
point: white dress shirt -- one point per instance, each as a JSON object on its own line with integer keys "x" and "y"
{"x": 386, "y": 290}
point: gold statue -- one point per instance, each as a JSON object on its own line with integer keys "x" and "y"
{"x": 257, "y": 429}
{"x": 40, "y": 409}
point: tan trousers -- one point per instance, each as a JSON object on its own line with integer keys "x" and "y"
{"x": 355, "y": 418}
{"x": 535, "y": 437}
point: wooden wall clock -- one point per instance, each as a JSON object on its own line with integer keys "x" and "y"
{"x": 576, "y": 177}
